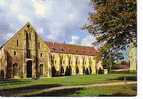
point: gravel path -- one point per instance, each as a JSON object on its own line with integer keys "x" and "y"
{"x": 91, "y": 85}
{"x": 82, "y": 86}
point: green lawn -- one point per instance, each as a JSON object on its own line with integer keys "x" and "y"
{"x": 67, "y": 80}
{"x": 118, "y": 90}
{"x": 29, "y": 85}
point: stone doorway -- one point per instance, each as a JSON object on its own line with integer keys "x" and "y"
{"x": 29, "y": 69}
{"x": 15, "y": 70}
{"x": 41, "y": 69}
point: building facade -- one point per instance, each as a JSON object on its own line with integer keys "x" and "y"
{"x": 132, "y": 57}
{"x": 26, "y": 55}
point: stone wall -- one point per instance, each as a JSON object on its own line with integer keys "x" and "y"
{"x": 23, "y": 47}
{"x": 27, "y": 55}
{"x": 133, "y": 58}
{"x": 79, "y": 64}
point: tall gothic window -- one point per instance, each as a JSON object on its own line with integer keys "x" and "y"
{"x": 26, "y": 36}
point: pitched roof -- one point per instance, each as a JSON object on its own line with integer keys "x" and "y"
{"x": 71, "y": 49}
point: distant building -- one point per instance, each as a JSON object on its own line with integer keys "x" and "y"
{"x": 132, "y": 57}
{"x": 26, "y": 55}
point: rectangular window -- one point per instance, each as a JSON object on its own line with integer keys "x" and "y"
{"x": 14, "y": 53}
{"x": 41, "y": 54}
{"x": 17, "y": 42}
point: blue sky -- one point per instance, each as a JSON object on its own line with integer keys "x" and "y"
{"x": 54, "y": 20}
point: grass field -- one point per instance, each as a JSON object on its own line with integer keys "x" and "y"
{"x": 118, "y": 90}
{"x": 15, "y": 87}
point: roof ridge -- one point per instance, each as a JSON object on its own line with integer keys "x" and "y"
{"x": 69, "y": 44}
{"x": 71, "y": 49}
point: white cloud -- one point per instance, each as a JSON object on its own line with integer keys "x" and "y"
{"x": 74, "y": 39}
{"x": 40, "y": 30}
{"x": 88, "y": 40}
{"x": 54, "y": 19}
{"x": 40, "y": 8}
{"x": 2, "y": 2}
{"x": 14, "y": 8}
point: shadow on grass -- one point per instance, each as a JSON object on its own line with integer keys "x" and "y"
{"x": 129, "y": 78}
{"x": 76, "y": 91}
{"x": 13, "y": 82}
{"x": 132, "y": 91}
{"x": 119, "y": 94}
{"x": 55, "y": 93}
{"x": 134, "y": 88}
{"x": 27, "y": 89}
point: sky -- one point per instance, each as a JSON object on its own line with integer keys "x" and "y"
{"x": 55, "y": 20}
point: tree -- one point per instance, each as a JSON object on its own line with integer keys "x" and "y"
{"x": 113, "y": 23}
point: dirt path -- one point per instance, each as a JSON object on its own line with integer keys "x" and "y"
{"x": 84, "y": 86}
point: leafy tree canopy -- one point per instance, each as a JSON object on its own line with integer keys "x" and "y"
{"x": 113, "y": 23}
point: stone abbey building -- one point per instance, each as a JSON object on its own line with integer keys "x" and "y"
{"x": 26, "y": 55}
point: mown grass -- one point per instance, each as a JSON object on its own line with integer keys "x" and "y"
{"x": 66, "y": 81}
{"x": 30, "y": 86}
{"x": 116, "y": 90}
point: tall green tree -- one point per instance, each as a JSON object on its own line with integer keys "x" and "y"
{"x": 113, "y": 23}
